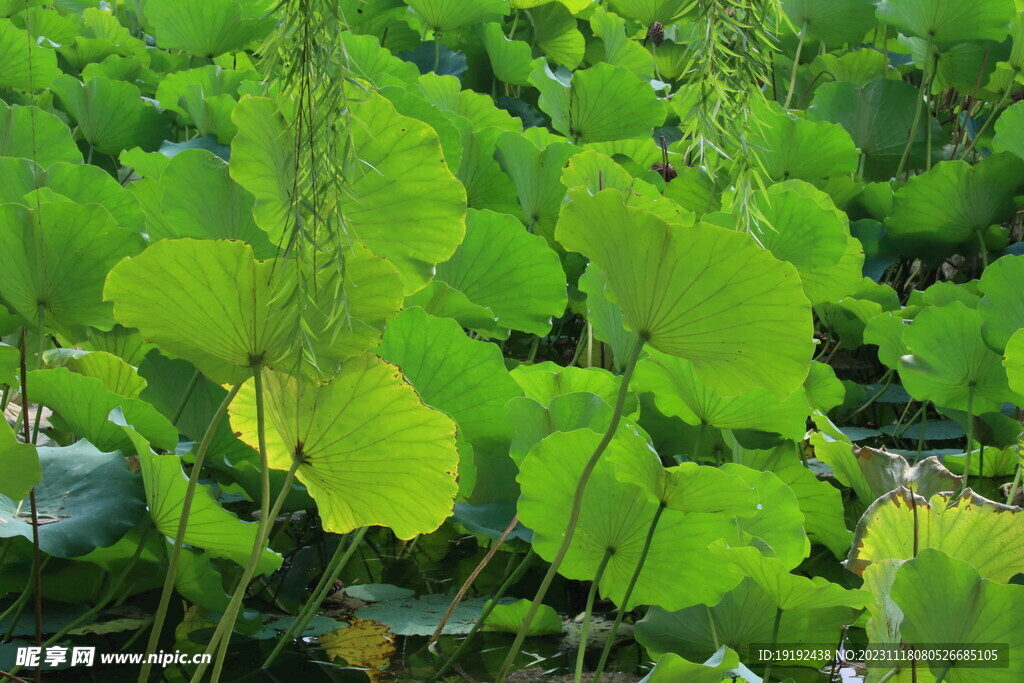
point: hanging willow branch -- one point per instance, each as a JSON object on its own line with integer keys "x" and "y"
{"x": 306, "y": 56}
{"x": 730, "y": 64}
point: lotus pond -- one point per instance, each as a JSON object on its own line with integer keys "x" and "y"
{"x": 512, "y": 340}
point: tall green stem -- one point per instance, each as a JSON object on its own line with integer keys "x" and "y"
{"x": 574, "y": 514}
{"x": 588, "y": 613}
{"x": 775, "y": 640}
{"x": 926, "y": 78}
{"x": 179, "y": 536}
{"x": 331, "y": 573}
{"x": 629, "y": 593}
{"x": 796, "y": 66}
{"x": 970, "y": 439}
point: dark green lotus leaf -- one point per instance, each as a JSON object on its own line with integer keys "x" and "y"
{"x": 204, "y": 98}
{"x": 504, "y": 268}
{"x": 446, "y": 93}
{"x": 451, "y": 128}
{"x": 778, "y": 527}
{"x": 678, "y": 391}
{"x": 463, "y": 377}
{"x": 1001, "y": 308}
{"x": 59, "y": 253}
{"x": 605, "y": 320}
{"x": 32, "y": 133}
{"x": 231, "y": 302}
{"x": 788, "y": 147}
{"x": 207, "y": 28}
{"x": 603, "y": 102}
{"x": 1014, "y": 362}
{"x": 950, "y": 205}
{"x": 945, "y": 599}
{"x": 24, "y": 65}
{"x": 371, "y": 452}
{"x": 950, "y": 364}
{"x": 535, "y": 172}
{"x": 742, "y": 618}
{"x": 369, "y": 61}
{"x": 949, "y": 22}
{"x": 82, "y": 404}
{"x": 900, "y": 524}
{"x": 698, "y": 313}
{"x": 19, "y": 466}
{"x": 86, "y": 499}
{"x": 833, "y": 23}
{"x": 877, "y": 115}
{"x": 201, "y": 200}
{"x": 617, "y": 515}
{"x": 111, "y": 115}
{"x": 421, "y": 616}
{"x": 487, "y": 185}
{"x": 858, "y": 67}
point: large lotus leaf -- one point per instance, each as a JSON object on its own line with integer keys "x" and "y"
{"x": 787, "y": 147}
{"x": 952, "y": 203}
{"x": 944, "y": 21}
{"x": 878, "y": 116}
{"x": 399, "y": 198}
{"x": 1002, "y": 308}
{"x": 83, "y": 403}
{"x": 789, "y": 591}
{"x": 209, "y": 302}
{"x": 207, "y": 28}
{"x": 24, "y": 65}
{"x": 885, "y": 472}
{"x": 19, "y": 465}
{"x": 86, "y": 499}
{"x": 619, "y": 47}
{"x": 707, "y": 294}
{"x": 487, "y": 185}
{"x": 532, "y": 421}
{"x": 557, "y": 34}
{"x": 834, "y": 23}
{"x": 1010, "y": 130}
{"x": 446, "y": 93}
{"x": 688, "y": 487}
{"x": 949, "y": 363}
{"x": 120, "y": 341}
{"x": 778, "y": 527}
{"x": 463, "y": 377}
{"x": 649, "y": 11}
{"x": 369, "y": 61}
{"x": 511, "y": 60}
{"x": 617, "y": 516}
{"x": 536, "y": 174}
{"x": 445, "y": 15}
{"x": 603, "y": 102}
{"x": 543, "y": 382}
{"x": 201, "y": 200}
{"x": 945, "y": 600}
{"x": 510, "y": 618}
{"x": 113, "y": 372}
{"x": 670, "y": 667}
{"x": 801, "y": 224}
{"x": 88, "y": 184}
{"x": 370, "y": 452}
{"x": 742, "y": 618}
{"x": 444, "y": 301}
{"x": 678, "y": 391}
{"x": 450, "y": 127}
{"x": 30, "y": 132}
{"x": 504, "y": 268}
{"x": 1014, "y": 362}
{"x": 111, "y": 115}
{"x": 57, "y": 256}
{"x": 204, "y": 98}
{"x": 901, "y": 523}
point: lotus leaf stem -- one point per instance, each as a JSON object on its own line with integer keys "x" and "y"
{"x": 588, "y": 613}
